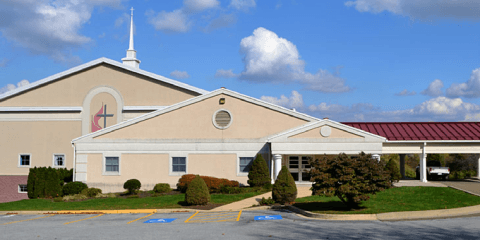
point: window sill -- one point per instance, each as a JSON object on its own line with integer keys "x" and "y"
{"x": 111, "y": 174}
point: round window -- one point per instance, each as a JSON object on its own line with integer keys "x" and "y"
{"x": 222, "y": 119}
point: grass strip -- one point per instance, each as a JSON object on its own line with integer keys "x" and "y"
{"x": 394, "y": 200}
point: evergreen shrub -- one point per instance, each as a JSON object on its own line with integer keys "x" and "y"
{"x": 91, "y": 192}
{"x": 392, "y": 168}
{"x": 214, "y": 184}
{"x": 197, "y": 192}
{"x": 284, "y": 190}
{"x": 162, "y": 188}
{"x": 47, "y": 182}
{"x": 259, "y": 176}
{"x": 132, "y": 185}
{"x": 73, "y": 188}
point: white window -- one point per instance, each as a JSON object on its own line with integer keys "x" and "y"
{"x": 22, "y": 188}
{"x": 179, "y": 164}
{"x": 112, "y": 164}
{"x": 244, "y": 164}
{"x": 59, "y": 160}
{"x": 24, "y": 160}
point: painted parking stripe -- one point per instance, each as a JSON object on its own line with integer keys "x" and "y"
{"x": 214, "y": 217}
{"x": 192, "y": 216}
{"x": 141, "y": 218}
{"x": 84, "y": 219}
{"x": 27, "y": 220}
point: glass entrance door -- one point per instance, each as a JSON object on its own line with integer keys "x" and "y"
{"x": 299, "y": 167}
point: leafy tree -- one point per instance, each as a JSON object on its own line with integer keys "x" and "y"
{"x": 132, "y": 185}
{"x": 351, "y": 180}
{"x": 259, "y": 176}
{"x": 197, "y": 192}
{"x": 393, "y": 170}
{"x": 284, "y": 190}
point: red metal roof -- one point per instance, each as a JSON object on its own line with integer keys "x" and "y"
{"x": 397, "y": 131}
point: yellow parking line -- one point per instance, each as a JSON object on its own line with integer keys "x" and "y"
{"x": 210, "y": 218}
{"x": 84, "y": 219}
{"x": 27, "y": 220}
{"x": 239, "y": 213}
{"x": 191, "y": 216}
{"x": 200, "y": 221}
{"x": 216, "y": 214}
{"x": 140, "y": 218}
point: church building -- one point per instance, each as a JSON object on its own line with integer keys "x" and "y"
{"x": 112, "y": 121}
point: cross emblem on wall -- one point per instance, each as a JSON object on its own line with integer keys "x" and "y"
{"x": 104, "y": 115}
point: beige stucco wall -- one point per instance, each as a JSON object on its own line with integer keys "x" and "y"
{"x": 149, "y": 169}
{"x": 41, "y": 139}
{"x": 195, "y": 122}
{"x": 136, "y": 90}
{"x": 336, "y": 133}
{"x": 216, "y": 165}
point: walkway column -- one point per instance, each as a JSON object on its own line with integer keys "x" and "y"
{"x": 402, "y": 165}
{"x": 423, "y": 164}
{"x": 478, "y": 169}
{"x": 277, "y": 158}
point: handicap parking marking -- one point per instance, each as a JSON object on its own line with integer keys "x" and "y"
{"x": 268, "y": 217}
{"x": 27, "y": 219}
{"x": 214, "y": 217}
{"x": 160, "y": 220}
{"x": 84, "y": 219}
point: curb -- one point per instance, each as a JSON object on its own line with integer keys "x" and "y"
{"x": 464, "y": 191}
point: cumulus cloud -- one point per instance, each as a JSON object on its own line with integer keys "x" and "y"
{"x": 434, "y": 89}
{"x": 222, "y": 73}
{"x": 424, "y": 9}
{"x": 294, "y": 101}
{"x": 270, "y": 58}
{"x": 243, "y": 4}
{"x": 49, "y": 27}
{"x": 11, "y": 87}
{"x": 405, "y": 92}
{"x": 469, "y": 89}
{"x": 181, "y": 20}
{"x": 179, "y": 74}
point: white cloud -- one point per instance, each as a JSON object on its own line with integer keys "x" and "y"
{"x": 469, "y": 89}
{"x": 199, "y": 5}
{"x": 222, "y": 21}
{"x": 269, "y": 58}
{"x": 179, "y": 74}
{"x": 222, "y": 73}
{"x": 422, "y": 9}
{"x": 405, "y": 92}
{"x": 170, "y": 22}
{"x": 125, "y": 18}
{"x": 243, "y": 4}
{"x": 434, "y": 89}
{"x": 49, "y": 27}
{"x": 11, "y": 87}
{"x": 294, "y": 101}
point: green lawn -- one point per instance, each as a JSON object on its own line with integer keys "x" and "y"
{"x": 166, "y": 201}
{"x": 394, "y": 200}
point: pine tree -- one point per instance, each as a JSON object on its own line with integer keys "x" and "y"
{"x": 393, "y": 170}
{"x": 259, "y": 176}
{"x": 197, "y": 192}
{"x": 284, "y": 189}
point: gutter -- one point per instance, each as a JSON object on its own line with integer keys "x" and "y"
{"x": 74, "y": 162}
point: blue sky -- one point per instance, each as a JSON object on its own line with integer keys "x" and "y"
{"x": 357, "y": 60}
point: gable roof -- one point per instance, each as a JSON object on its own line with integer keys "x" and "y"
{"x": 193, "y": 101}
{"x": 411, "y": 131}
{"x": 95, "y": 63}
{"x": 309, "y": 126}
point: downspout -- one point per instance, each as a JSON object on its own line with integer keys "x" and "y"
{"x": 74, "y": 162}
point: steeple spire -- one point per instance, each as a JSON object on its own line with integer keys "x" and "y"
{"x": 131, "y": 59}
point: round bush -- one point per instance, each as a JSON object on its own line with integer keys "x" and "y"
{"x": 162, "y": 188}
{"x": 73, "y": 188}
{"x": 284, "y": 190}
{"x": 132, "y": 185}
{"x": 197, "y": 192}
{"x": 91, "y": 192}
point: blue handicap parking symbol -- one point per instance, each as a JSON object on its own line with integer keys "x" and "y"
{"x": 160, "y": 220}
{"x": 269, "y": 217}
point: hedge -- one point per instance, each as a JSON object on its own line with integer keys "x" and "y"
{"x": 214, "y": 184}
{"x": 46, "y": 182}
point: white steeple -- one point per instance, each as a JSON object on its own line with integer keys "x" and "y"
{"x": 131, "y": 59}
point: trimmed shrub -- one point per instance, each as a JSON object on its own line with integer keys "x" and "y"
{"x": 132, "y": 185}
{"x": 266, "y": 201}
{"x": 53, "y": 185}
{"x": 259, "y": 176}
{"x": 91, "y": 192}
{"x": 393, "y": 170}
{"x": 214, "y": 184}
{"x": 32, "y": 174}
{"x": 73, "y": 188}
{"x": 47, "y": 182}
{"x": 162, "y": 188}
{"x": 284, "y": 190}
{"x": 197, "y": 192}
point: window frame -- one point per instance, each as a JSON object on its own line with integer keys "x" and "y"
{"x": 170, "y": 164}
{"x": 29, "y": 160}
{"x": 64, "y": 160}
{"x": 252, "y": 155}
{"x": 239, "y": 165}
{"x": 19, "y": 188}
{"x": 104, "y": 164}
